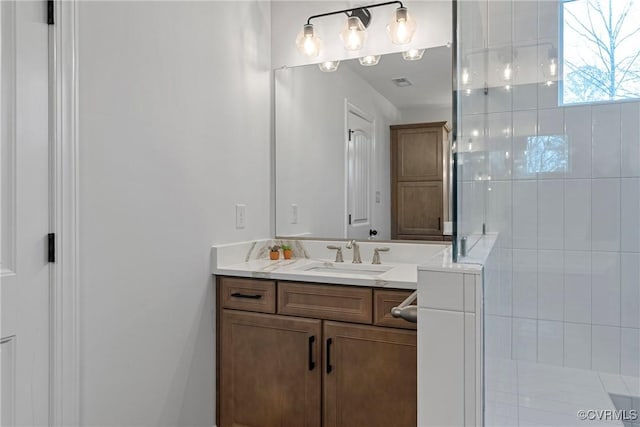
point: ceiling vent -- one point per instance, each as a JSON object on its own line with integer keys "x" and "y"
{"x": 402, "y": 82}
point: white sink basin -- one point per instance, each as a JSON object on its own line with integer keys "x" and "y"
{"x": 339, "y": 268}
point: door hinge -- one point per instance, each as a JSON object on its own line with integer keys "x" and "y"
{"x": 51, "y": 239}
{"x": 50, "y": 12}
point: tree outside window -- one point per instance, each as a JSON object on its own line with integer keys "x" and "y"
{"x": 601, "y": 50}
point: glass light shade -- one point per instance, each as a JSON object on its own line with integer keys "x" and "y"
{"x": 308, "y": 42}
{"x": 465, "y": 77}
{"x": 329, "y": 66}
{"x": 413, "y": 54}
{"x": 353, "y": 34}
{"x": 506, "y": 73}
{"x": 369, "y": 60}
{"x": 402, "y": 26}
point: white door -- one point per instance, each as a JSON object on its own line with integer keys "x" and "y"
{"x": 24, "y": 214}
{"x": 359, "y": 174}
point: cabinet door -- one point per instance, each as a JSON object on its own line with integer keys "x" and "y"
{"x": 270, "y": 370}
{"x": 419, "y": 154}
{"x": 370, "y": 376}
{"x": 419, "y": 208}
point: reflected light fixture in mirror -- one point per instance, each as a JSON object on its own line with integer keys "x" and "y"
{"x": 550, "y": 66}
{"x": 413, "y": 54}
{"x": 308, "y": 41}
{"x": 369, "y": 60}
{"x": 401, "y": 28}
{"x": 329, "y": 66}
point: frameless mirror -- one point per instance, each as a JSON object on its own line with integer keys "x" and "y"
{"x": 363, "y": 151}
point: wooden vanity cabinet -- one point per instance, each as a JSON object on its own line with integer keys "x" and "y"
{"x": 309, "y": 369}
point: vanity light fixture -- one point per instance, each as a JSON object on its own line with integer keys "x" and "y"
{"x": 369, "y": 60}
{"x": 401, "y": 28}
{"x": 413, "y": 54}
{"x": 329, "y": 66}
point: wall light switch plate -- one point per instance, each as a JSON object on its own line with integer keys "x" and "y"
{"x": 377, "y": 196}
{"x": 241, "y": 216}
{"x": 294, "y": 213}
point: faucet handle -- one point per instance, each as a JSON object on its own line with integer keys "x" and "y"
{"x": 376, "y": 254}
{"x": 338, "y": 250}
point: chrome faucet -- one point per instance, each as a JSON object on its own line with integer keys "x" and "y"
{"x": 356, "y": 251}
{"x": 376, "y": 254}
{"x": 338, "y": 250}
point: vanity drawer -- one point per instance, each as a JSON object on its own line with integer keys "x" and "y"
{"x": 330, "y": 302}
{"x": 248, "y": 294}
{"x": 383, "y": 301}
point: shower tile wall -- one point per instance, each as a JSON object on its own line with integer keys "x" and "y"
{"x": 568, "y": 288}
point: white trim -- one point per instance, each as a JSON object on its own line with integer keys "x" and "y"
{"x": 65, "y": 309}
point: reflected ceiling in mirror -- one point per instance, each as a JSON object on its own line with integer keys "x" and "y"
{"x": 333, "y": 141}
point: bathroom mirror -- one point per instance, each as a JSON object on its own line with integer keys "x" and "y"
{"x": 364, "y": 151}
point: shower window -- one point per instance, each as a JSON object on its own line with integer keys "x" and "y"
{"x": 600, "y": 51}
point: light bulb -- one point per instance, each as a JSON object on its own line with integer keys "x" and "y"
{"x": 465, "y": 77}
{"x": 369, "y": 60}
{"x": 553, "y": 67}
{"x": 329, "y": 66}
{"x": 507, "y": 72}
{"x": 413, "y": 54}
{"x": 308, "y": 42}
{"x": 353, "y": 34}
{"x": 402, "y": 26}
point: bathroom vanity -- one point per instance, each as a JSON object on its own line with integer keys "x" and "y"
{"x": 311, "y": 341}
{"x": 311, "y": 354}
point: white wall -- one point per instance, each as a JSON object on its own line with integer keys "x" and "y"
{"x": 174, "y": 125}
{"x": 568, "y": 289}
{"x": 426, "y": 114}
{"x": 310, "y": 149}
{"x": 433, "y": 18}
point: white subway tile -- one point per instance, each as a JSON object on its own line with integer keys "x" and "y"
{"x": 498, "y": 293}
{"x": 525, "y": 218}
{"x": 500, "y": 147}
{"x": 630, "y": 290}
{"x": 499, "y": 22}
{"x": 550, "y": 214}
{"x": 630, "y": 139}
{"x": 524, "y": 341}
{"x": 605, "y": 349}
{"x": 547, "y": 96}
{"x": 578, "y": 130}
{"x": 551, "y": 285}
{"x": 577, "y": 345}
{"x": 524, "y": 128}
{"x": 550, "y": 342}
{"x": 630, "y": 352}
{"x": 577, "y": 214}
{"x": 630, "y": 211}
{"x": 605, "y": 214}
{"x": 525, "y": 283}
{"x": 497, "y": 336}
{"x": 605, "y": 288}
{"x": 499, "y": 210}
{"x": 525, "y": 96}
{"x": 499, "y": 99}
{"x": 548, "y": 20}
{"x": 606, "y": 141}
{"x": 577, "y": 287}
{"x": 525, "y": 21}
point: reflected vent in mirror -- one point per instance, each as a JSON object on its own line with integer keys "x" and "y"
{"x": 402, "y": 82}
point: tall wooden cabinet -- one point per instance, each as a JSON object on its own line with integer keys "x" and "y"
{"x": 288, "y": 370}
{"x": 419, "y": 180}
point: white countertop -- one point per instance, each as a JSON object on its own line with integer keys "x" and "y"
{"x": 402, "y": 276}
{"x": 250, "y": 259}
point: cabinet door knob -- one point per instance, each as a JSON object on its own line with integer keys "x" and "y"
{"x": 329, "y": 367}
{"x": 312, "y": 364}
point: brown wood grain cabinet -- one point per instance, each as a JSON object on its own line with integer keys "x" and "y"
{"x": 299, "y": 368}
{"x": 419, "y": 180}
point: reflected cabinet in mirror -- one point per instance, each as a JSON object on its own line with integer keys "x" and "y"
{"x": 364, "y": 151}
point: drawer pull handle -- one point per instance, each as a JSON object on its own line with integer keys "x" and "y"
{"x": 239, "y": 295}
{"x": 312, "y": 364}
{"x": 329, "y": 367}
